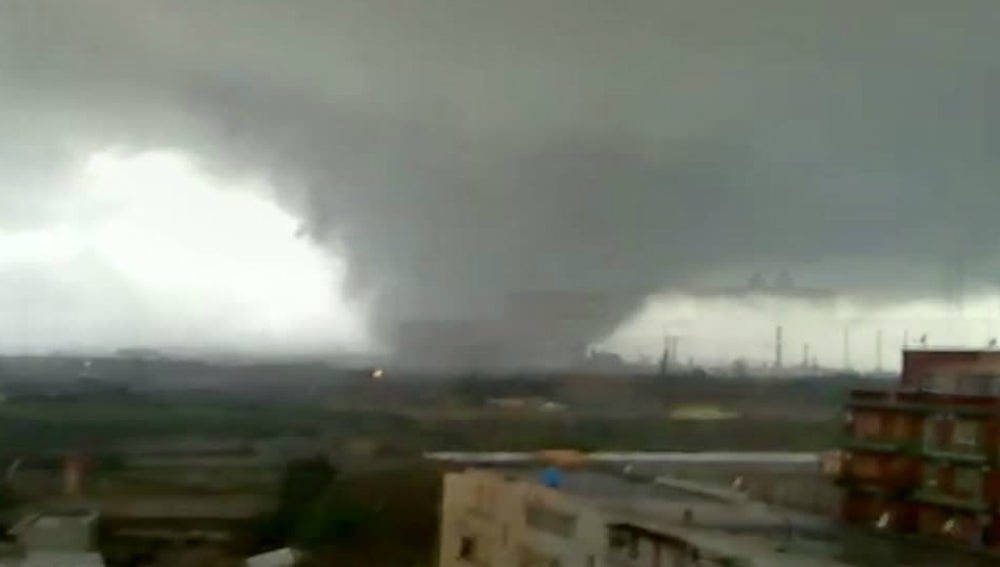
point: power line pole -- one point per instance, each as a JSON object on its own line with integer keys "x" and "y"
{"x": 878, "y": 350}
{"x": 777, "y": 346}
{"x": 665, "y": 356}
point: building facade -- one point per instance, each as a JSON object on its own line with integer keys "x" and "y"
{"x": 489, "y": 520}
{"x": 924, "y": 457}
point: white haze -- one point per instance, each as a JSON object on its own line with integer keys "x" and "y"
{"x": 148, "y": 249}
{"x": 718, "y": 331}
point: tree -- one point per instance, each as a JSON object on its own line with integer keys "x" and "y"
{"x": 335, "y": 519}
{"x": 304, "y": 481}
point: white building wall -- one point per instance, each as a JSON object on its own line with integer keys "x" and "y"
{"x": 485, "y": 524}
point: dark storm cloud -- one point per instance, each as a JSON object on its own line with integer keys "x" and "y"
{"x": 462, "y": 149}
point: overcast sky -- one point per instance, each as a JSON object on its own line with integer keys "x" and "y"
{"x": 440, "y": 153}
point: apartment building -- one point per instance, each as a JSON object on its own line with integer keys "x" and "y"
{"x": 67, "y": 537}
{"x": 493, "y": 519}
{"x": 924, "y": 457}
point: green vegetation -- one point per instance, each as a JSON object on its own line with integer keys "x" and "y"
{"x": 381, "y": 518}
{"x": 303, "y": 485}
{"x": 39, "y": 426}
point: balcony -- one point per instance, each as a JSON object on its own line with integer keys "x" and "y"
{"x": 942, "y": 454}
{"x": 936, "y": 498}
{"x": 871, "y": 445}
{"x": 925, "y": 402}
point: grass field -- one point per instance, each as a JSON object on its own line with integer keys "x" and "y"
{"x": 55, "y": 425}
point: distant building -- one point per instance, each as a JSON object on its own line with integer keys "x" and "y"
{"x": 55, "y": 538}
{"x": 67, "y": 531}
{"x": 923, "y": 458}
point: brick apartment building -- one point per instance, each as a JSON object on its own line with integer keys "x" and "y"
{"x": 924, "y": 457}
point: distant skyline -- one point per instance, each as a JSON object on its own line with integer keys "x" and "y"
{"x": 720, "y": 330}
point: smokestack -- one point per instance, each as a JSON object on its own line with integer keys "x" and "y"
{"x": 665, "y": 357}
{"x": 805, "y": 355}
{"x": 878, "y": 350}
{"x": 777, "y": 346}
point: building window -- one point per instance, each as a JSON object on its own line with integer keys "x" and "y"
{"x": 901, "y": 428}
{"x": 965, "y": 436}
{"x": 941, "y": 384}
{"x": 633, "y": 547}
{"x": 931, "y": 476}
{"x": 867, "y": 425}
{"x": 868, "y": 467}
{"x": 975, "y": 385}
{"x": 968, "y": 483}
{"x": 935, "y": 430}
{"x": 467, "y": 548}
{"x": 617, "y": 538}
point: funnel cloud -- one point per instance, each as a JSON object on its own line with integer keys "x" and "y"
{"x": 454, "y": 152}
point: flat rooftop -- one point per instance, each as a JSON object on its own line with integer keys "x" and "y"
{"x": 53, "y": 520}
{"x": 663, "y": 457}
{"x": 599, "y": 486}
{"x": 723, "y": 519}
